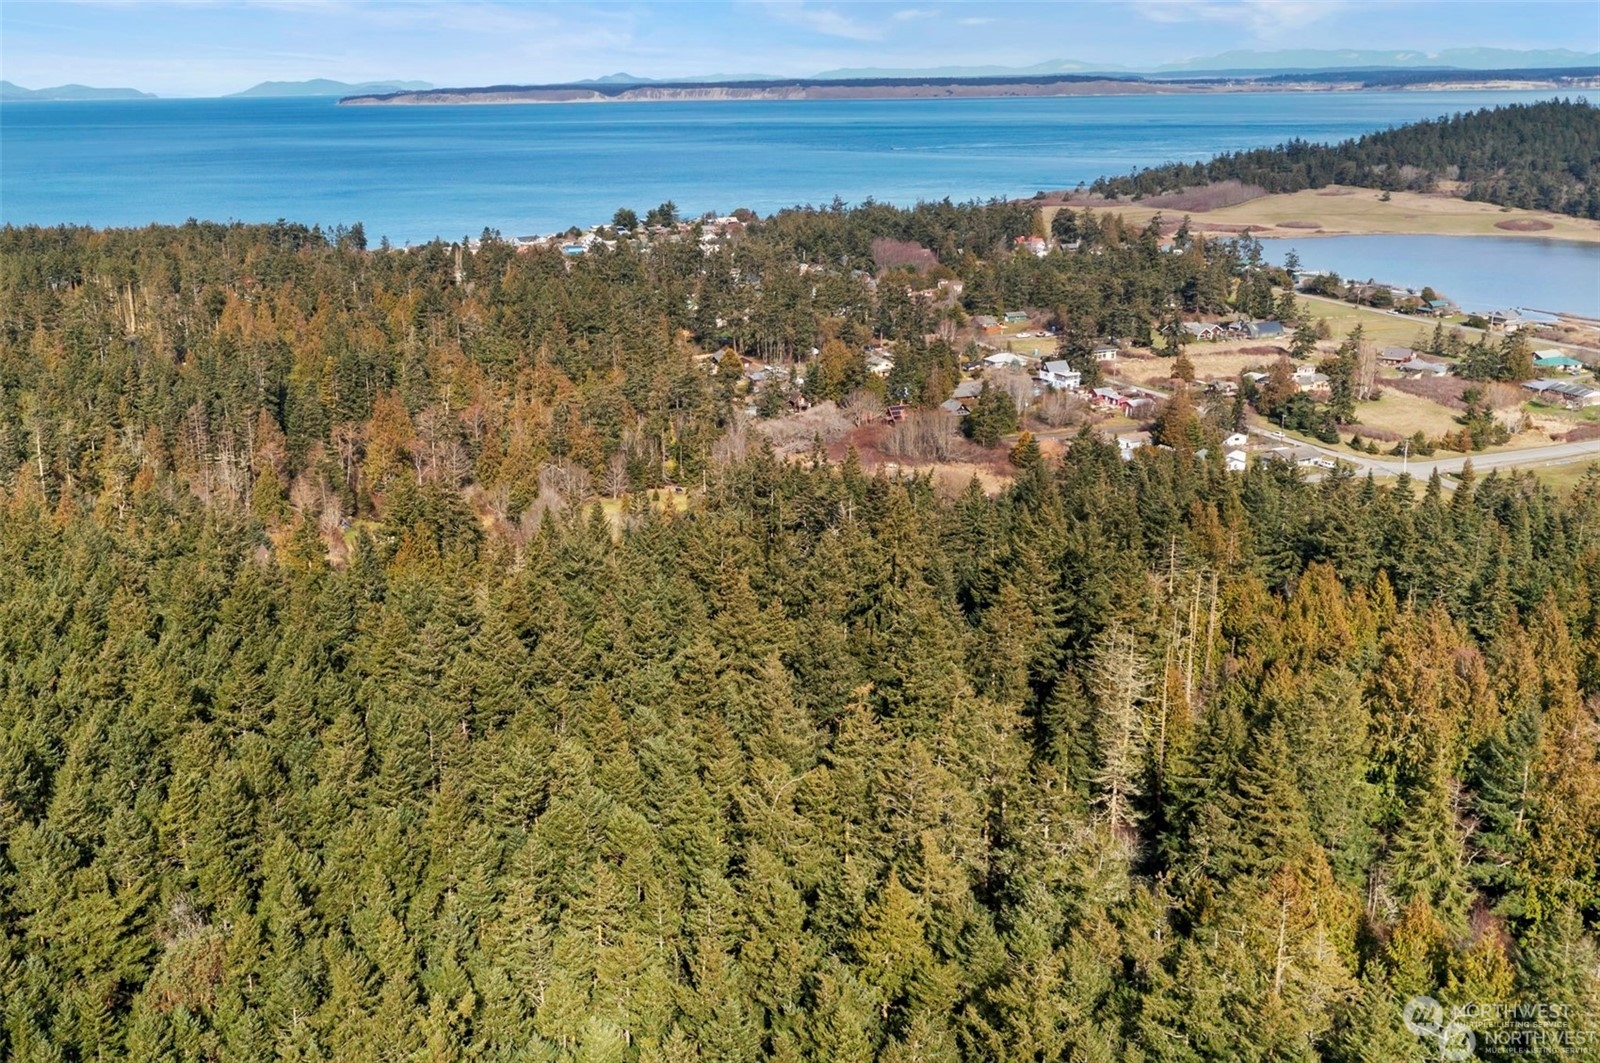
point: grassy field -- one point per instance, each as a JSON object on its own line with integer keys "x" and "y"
{"x": 1220, "y": 361}
{"x": 1564, "y": 478}
{"x": 1399, "y": 412}
{"x": 1379, "y": 327}
{"x": 1343, "y": 211}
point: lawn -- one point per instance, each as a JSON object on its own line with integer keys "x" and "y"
{"x": 1379, "y": 327}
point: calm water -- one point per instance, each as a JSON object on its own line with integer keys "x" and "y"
{"x": 413, "y": 173}
{"x": 1478, "y": 272}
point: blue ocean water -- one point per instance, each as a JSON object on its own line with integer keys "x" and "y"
{"x": 414, "y": 173}
{"x": 1479, "y": 273}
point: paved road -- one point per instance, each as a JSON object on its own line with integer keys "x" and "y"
{"x": 1422, "y": 468}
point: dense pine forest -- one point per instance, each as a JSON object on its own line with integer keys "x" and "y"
{"x": 340, "y": 720}
{"x": 1537, "y": 156}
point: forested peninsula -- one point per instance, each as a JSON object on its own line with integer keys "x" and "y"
{"x": 428, "y": 654}
{"x": 1538, "y": 156}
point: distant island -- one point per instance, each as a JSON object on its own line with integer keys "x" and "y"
{"x": 326, "y": 87}
{"x": 10, "y": 93}
{"x": 1091, "y": 84}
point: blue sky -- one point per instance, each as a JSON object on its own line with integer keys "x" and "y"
{"x": 205, "y": 47}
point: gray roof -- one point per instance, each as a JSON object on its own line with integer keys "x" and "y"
{"x": 1422, "y": 365}
{"x": 1571, "y": 389}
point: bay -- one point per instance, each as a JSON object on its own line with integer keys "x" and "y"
{"x": 1479, "y": 273}
{"x": 415, "y": 173}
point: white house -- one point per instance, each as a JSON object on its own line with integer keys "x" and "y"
{"x": 1237, "y": 460}
{"x": 1238, "y": 439}
{"x": 1058, "y": 374}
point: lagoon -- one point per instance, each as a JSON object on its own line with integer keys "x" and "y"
{"x": 1479, "y": 273}
{"x": 414, "y": 173}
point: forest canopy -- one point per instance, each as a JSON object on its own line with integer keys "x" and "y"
{"x": 1536, "y": 156}
{"x": 341, "y": 719}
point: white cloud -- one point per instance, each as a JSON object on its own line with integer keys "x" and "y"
{"x": 1265, "y": 18}
{"x": 825, "y": 21}
{"x": 975, "y": 21}
{"x": 912, "y": 14}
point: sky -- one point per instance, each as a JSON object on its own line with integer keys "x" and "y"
{"x": 214, "y": 47}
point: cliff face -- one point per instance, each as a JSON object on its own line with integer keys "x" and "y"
{"x": 981, "y": 88}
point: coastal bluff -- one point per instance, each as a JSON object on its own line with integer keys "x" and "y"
{"x": 914, "y": 88}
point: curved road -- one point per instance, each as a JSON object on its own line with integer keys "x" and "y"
{"x": 1422, "y": 468}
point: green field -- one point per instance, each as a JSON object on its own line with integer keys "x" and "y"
{"x": 1379, "y": 327}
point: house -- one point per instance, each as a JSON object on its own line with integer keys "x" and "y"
{"x": 1311, "y": 382}
{"x": 1509, "y": 320}
{"x": 1395, "y": 356}
{"x": 1106, "y": 398}
{"x": 1006, "y": 358}
{"x": 1016, "y": 317}
{"x": 1555, "y": 360}
{"x": 1128, "y": 442}
{"x": 968, "y": 389}
{"x": 1104, "y": 353}
{"x": 1236, "y": 460}
{"x": 1033, "y": 244}
{"x": 1437, "y": 307}
{"x": 1264, "y": 330}
{"x": 1137, "y": 406}
{"x": 1238, "y": 439}
{"x": 986, "y": 323}
{"x": 1569, "y": 393}
{"x": 1058, "y": 374}
{"x": 879, "y": 365}
{"x": 1314, "y": 384}
{"x": 1201, "y": 331}
{"x": 1422, "y": 367}
{"x": 1305, "y": 457}
{"x": 955, "y": 406}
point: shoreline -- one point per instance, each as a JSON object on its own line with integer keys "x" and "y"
{"x": 945, "y": 89}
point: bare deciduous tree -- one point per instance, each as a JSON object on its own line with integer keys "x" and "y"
{"x": 927, "y": 435}
{"x": 616, "y": 478}
{"x": 863, "y": 405}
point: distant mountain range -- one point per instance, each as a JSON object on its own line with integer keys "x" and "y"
{"x": 1234, "y": 64}
{"x": 10, "y": 93}
{"x": 325, "y": 87}
{"x": 1305, "y": 60}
